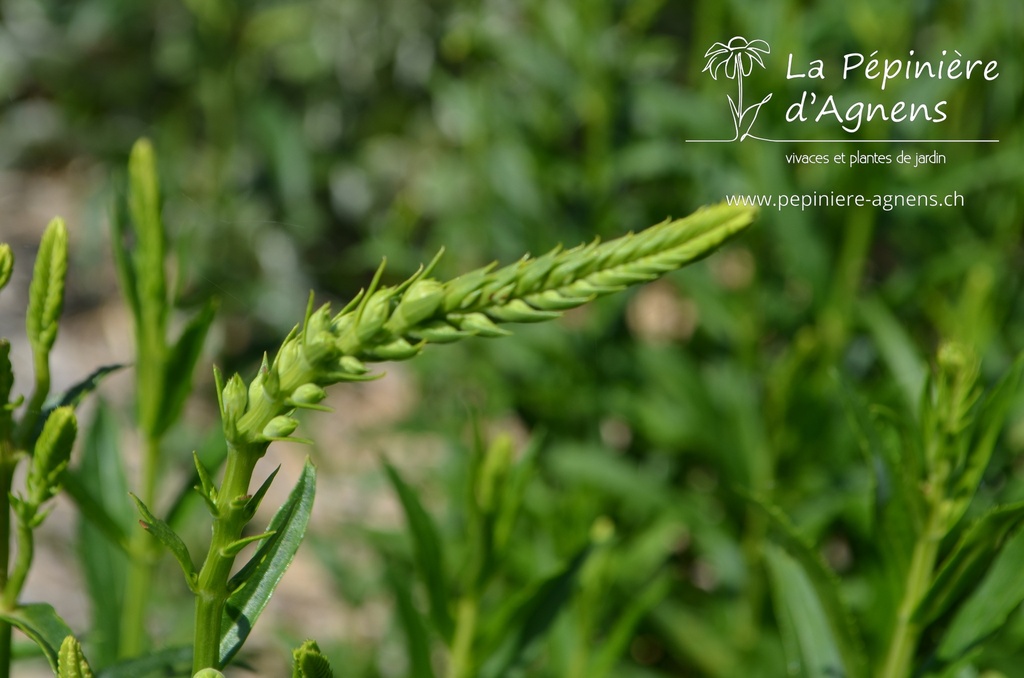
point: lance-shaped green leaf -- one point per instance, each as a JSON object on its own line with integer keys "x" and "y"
{"x": 532, "y": 617}
{"x": 990, "y": 422}
{"x": 74, "y": 395}
{"x": 802, "y": 582}
{"x": 181, "y": 362}
{"x": 123, "y": 263}
{"x": 253, "y": 585}
{"x": 805, "y": 625}
{"x": 170, "y": 539}
{"x": 414, "y": 626}
{"x": 969, "y": 560}
{"x": 310, "y": 662}
{"x": 623, "y": 630}
{"x": 6, "y": 264}
{"x": 100, "y": 492}
{"x": 897, "y": 350}
{"x": 428, "y": 550}
{"x": 987, "y": 609}
{"x": 41, "y": 623}
{"x": 71, "y": 661}
{"x": 46, "y": 293}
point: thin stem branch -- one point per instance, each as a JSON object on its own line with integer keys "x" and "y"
{"x": 461, "y": 664}
{"x": 34, "y": 408}
{"x": 7, "y": 456}
{"x": 899, "y": 659}
{"x": 140, "y": 568}
{"x": 22, "y": 564}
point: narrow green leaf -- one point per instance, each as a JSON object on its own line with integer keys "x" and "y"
{"x": 969, "y": 560}
{"x": 46, "y": 293}
{"x": 205, "y": 487}
{"x": 169, "y": 538}
{"x": 211, "y": 454}
{"x": 824, "y": 585}
{"x": 428, "y": 551}
{"x": 413, "y": 625}
{"x": 899, "y": 508}
{"x": 93, "y": 511}
{"x": 256, "y": 581}
{"x": 990, "y": 422}
{"x": 986, "y": 610}
{"x": 6, "y": 385}
{"x": 100, "y": 492}
{"x": 6, "y": 264}
{"x": 310, "y": 662}
{"x": 253, "y": 503}
{"x": 74, "y": 395}
{"x": 693, "y": 639}
{"x": 71, "y": 661}
{"x": 171, "y": 662}
{"x": 533, "y": 618}
{"x": 614, "y": 646}
{"x": 123, "y": 263}
{"x": 181, "y": 362}
{"x": 897, "y": 350}
{"x": 41, "y": 623}
{"x": 812, "y": 648}
{"x": 233, "y": 549}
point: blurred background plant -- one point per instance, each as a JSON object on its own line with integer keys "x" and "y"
{"x": 305, "y": 140}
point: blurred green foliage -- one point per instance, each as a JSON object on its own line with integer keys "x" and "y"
{"x": 308, "y": 139}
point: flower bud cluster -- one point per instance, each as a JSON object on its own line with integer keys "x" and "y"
{"x": 49, "y": 460}
{"x": 395, "y": 323}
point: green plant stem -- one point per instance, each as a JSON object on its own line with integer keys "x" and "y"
{"x": 41, "y": 365}
{"x": 22, "y": 562}
{"x": 212, "y": 585}
{"x": 899, "y": 659}
{"x": 7, "y": 463}
{"x": 140, "y": 570}
{"x": 461, "y": 665}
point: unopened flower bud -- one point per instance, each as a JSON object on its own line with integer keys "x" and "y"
{"x": 419, "y": 303}
{"x": 256, "y": 387}
{"x": 399, "y": 349}
{"x": 280, "y": 427}
{"x": 352, "y": 365}
{"x": 374, "y": 314}
{"x": 234, "y": 399}
{"x": 308, "y": 394}
{"x": 480, "y": 325}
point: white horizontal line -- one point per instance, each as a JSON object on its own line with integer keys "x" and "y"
{"x": 850, "y": 141}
